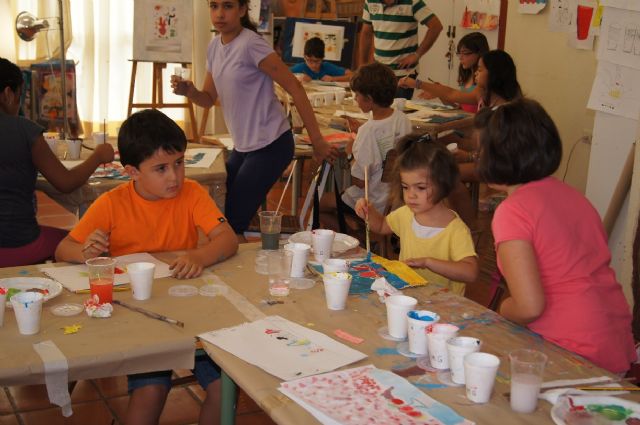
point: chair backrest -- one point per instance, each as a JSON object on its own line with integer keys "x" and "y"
{"x": 388, "y": 165}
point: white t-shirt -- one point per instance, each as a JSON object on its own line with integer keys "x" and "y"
{"x": 375, "y": 138}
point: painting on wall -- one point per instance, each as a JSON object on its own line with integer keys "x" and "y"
{"x": 332, "y": 35}
{"x": 163, "y": 30}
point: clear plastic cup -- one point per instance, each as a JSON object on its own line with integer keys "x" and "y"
{"x": 100, "y": 271}
{"x": 270, "y": 226}
{"x": 527, "y": 368}
{"x": 279, "y": 269}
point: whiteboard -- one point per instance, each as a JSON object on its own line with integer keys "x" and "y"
{"x": 163, "y": 30}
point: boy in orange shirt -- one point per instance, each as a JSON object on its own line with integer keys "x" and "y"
{"x": 158, "y": 210}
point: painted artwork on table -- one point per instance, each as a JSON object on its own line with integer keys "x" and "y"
{"x": 368, "y": 395}
{"x": 333, "y": 37}
{"x": 163, "y": 30}
{"x": 365, "y": 272}
{"x": 286, "y": 350}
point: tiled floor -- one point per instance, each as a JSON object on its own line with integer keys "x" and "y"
{"x": 104, "y": 401}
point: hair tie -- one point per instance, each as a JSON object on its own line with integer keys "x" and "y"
{"x": 426, "y": 137}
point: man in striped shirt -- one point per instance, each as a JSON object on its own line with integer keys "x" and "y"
{"x": 392, "y": 25}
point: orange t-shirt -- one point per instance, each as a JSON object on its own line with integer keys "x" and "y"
{"x": 135, "y": 224}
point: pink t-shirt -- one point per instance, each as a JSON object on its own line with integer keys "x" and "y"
{"x": 585, "y": 309}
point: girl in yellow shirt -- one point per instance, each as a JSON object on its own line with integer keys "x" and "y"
{"x": 433, "y": 239}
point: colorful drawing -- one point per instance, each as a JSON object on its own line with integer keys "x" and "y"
{"x": 163, "y": 30}
{"x": 112, "y": 170}
{"x": 368, "y": 395}
{"x": 332, "y": 35}
{"x": 47, "y": 86}
{"x": 365, "y": 272}
{"x": 531, "y": 7}
{"x": 615, "y": 90}
{"x": 484, "y": 15}
{"x": 286, "y": 350}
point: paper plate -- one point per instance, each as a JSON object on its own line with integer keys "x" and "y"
{"x": 50, "y": 288}
{"x": 341, "y": 243}
{"x": 611, "y": 410}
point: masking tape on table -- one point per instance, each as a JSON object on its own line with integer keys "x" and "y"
{"x": 56, "y": 375}
{"x": 248, "y": 310}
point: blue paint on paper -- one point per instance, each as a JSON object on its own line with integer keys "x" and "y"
{"x": 384, "y": 351}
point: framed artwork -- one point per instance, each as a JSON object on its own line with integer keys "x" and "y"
{"x": 47, "y": 101}
{"x": 163, "y": 30}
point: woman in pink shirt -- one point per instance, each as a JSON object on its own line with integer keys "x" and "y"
{"x": 550, "y": 244}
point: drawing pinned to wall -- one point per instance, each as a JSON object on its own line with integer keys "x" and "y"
{"x": 481, "y": 15}
{"x": 333, "y": 37}
{"x": 562, "y": 17}
{"x": 163, "y": 30}
{"x": 620, "y": 37}
{"x": 260, "y": 14}
{"x": 531, "y": 7}
{"x": 616, "y": 90}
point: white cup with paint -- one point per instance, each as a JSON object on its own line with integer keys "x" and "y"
{"x": 457, "y": 349}
{"x": 480, "y": 371}
{"x": 397, "y": 308}
{"x": 418, "y": 322}
{"x": 437, "y": 337}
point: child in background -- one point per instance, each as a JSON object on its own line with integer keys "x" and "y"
{"x": 374, "y": 86}
{"x": 470, "y": 49}
{"x": 556, "y": 264}
{"x": 24, "y": 154}
{"x": 158, "y": 210}
{"x": 433, "y": 239}
{"x": 315, "y": 67}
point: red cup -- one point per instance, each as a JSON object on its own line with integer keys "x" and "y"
{"x": 584, "y": 21}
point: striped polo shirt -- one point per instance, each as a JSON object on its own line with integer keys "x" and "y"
{"x": 395, "y": 29}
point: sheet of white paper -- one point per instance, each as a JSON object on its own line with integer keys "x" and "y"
{"x": 332, "y": 35}
{"x": 356, "y": 115}
{"x": 620, "y": 37}
{"x": 74, "y": 278}
{"x": 562, "y": 17}
{"x": 616, "y": 90}
{"x": 227, "y": 142}
{"x": 286, "y": 350}
{"x": 201, "y": 157}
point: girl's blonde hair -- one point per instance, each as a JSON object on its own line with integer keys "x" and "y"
{"x": 419, "y": 152}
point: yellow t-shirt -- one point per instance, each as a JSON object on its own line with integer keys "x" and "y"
{"x": 135, "y": 224}
{"x": 452, "y": 244}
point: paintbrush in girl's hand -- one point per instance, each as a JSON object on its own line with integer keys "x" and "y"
{"x": 366, "y": 199}
{"x": 150, "y": 314}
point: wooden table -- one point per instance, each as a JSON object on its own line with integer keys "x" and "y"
{"x": 130, "y": 343}
{"x": 213, "y": 178}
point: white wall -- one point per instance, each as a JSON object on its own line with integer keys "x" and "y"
{"x": 559, "y": 77}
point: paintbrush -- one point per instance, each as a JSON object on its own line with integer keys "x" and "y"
{"x": 608, "y": 388}
{"x": 366, "y": 200}
{"x": 150, "y": 314}
{"x": 118, "y": 288}
{"x": 293, "y": 167}
{"x": 577, "y": 385}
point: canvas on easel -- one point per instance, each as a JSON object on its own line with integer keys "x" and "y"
{"x": 163, "y": 31}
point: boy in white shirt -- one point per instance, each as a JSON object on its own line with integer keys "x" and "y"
{"x": 374, "y": 86}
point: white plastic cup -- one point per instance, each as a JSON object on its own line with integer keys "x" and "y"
{"x": 28, "y": 308}
{"x": 336, "y": 289}
{"x": 73, "y": 149}
{"x": 527, "y": 368}
{"x": 480, "y": 371}
{"x": 141, "y": 275}
{"x": 328, "y": 98}
{"x": 437, "y": 337}
{"x": 3, "y": 303}
{"x": 457, "y": 348}
{"x": 452, "y": 147}
{"x": 300, "y": 257}
{"x": 52, "y": 140}
{"x": 318, "y": 100}
{"x": 418, "y": 322}
{"x": 340, "y": 97}
{"x": 333, "y": 265}
{"x": 397, "y": 308}
{"x": 99, "y": 137}
{"x": 322, "y": 240}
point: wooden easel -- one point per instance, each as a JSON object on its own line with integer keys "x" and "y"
{"x": 157, "y": 100}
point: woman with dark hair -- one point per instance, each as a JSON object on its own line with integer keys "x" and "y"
{"x": 24, "y": 154}
{"x": 556, "y": 263}
{"x": 241, "y": 70}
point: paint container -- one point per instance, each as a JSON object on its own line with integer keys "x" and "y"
{"x": 300, "y": 257}
{"x": 141, "y": 275}
{"x": 480, "y": 371}
{"x": 322, "y": 240}
{"x": 73, "y": 149}
{"x": 418, "y": 322}
{"x": 457, "y": 349}
{"x": 27, "y": 307}
{"x": 335, "y": 265}
{"x": 336, "y": 289}
{"x": 397, "y": 308}
{"x": 437, "y": 337}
